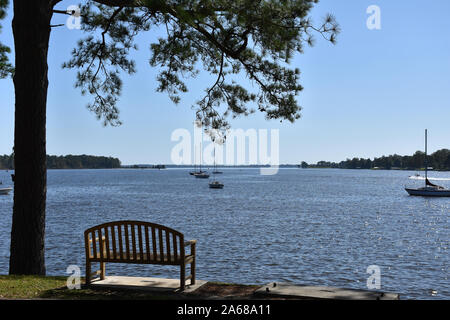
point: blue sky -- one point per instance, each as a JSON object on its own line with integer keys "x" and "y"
{"x": 371, "y": 94}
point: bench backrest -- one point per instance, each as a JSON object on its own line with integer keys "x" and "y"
{"x": 134, "y": 242}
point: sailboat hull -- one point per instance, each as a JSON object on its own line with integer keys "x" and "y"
{"x": 201, "y": 175}
{"x": 216, "y": 185}
{"x": 193, "y": 173}
{"x": 428, "y": 192}
{"x": 5, "y": 191}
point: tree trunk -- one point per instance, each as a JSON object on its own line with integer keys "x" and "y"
{"x": 31, "y": 29}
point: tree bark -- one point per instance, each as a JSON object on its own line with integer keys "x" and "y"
{"x": 31, "y": 29}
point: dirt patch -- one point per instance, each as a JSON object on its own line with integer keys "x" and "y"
{"x": 212, "y": 290}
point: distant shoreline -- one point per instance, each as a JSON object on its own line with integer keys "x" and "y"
{"x": 235, "y": 167}
{"x": 437, "y": 161}
{"x": 68, "y": 162}
{"x": 284, "y": 166}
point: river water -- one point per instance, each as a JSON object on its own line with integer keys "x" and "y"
{"x": 305, "y": 226}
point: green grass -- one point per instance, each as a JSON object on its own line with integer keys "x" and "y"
{"x": 48, "y": 287}
{"x": 28, "y": 287}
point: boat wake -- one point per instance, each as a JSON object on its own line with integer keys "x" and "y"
{"x": 429, "y": 178}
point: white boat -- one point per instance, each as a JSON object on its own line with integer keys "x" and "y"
{"x": 430, "y": 189}
{"x": 5, "y": 190}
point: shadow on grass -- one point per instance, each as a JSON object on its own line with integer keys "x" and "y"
{"x": 86, "y": 293}
{"x": 49, "y": 287}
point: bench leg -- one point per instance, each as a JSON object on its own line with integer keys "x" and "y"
{"x": 88, "y": 273}
{"x": 193, "y": 272}
{"x": 102, "y": 271}
{"x": 182, "y": 277}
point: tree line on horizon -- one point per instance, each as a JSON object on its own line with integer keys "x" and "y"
{"x": 439, "y": 160}
{"x": 69, "y": 162}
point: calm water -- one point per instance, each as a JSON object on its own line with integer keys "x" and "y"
{"x": 314, "y": 226}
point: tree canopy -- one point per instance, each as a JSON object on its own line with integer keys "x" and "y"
{"x": 5, "y": 67}
{"x": 256, "y": 38}
{"x": 223, "y": 37}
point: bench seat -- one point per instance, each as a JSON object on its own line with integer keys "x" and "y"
{"x": 145, "y": 259}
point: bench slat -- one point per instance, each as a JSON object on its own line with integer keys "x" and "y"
{"x": 119, "y": 230}
{"x": 113, "y": 238}
{"x": 127, "y": 242}
{"x": 133, "y": 238}
{"x": 154, "y": 242}
{"x": 141, "y": 250}
{"x": 168, "y": 245}
{"x": 94, "y": 245}
{"x": 147, "y": 243}
{"x": 100, "y": 243}
{"x": 175, "y": 250}
{"x": 107, "y": 242}
{"x": 161, "y": 243}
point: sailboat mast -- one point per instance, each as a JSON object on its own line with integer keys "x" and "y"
{"x": 195, "y": 157}
{"x": 200, "y": 166}
{"x": 201, "y": 150}
{"x": 426, "y": 156}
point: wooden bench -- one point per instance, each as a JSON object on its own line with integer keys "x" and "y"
{"x": 138, "y": 243}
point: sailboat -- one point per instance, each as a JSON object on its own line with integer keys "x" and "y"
{"x": 201, "y": 174}
{"x": 430, "y": 189}
{"x": 195, "y": 172}
{"x": 215, "y": 184}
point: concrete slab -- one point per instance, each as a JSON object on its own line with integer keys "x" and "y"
{"x": 289, "y": 290}
{"x": 147, "y": 284}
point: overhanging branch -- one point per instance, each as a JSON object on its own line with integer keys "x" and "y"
{"x": 122, "y": 3}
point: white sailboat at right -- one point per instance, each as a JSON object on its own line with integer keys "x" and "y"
{"x": 5, "y": 190}
{"x": 430, "y": 189}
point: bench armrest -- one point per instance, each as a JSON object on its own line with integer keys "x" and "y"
{"x": 190, "y": 242}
